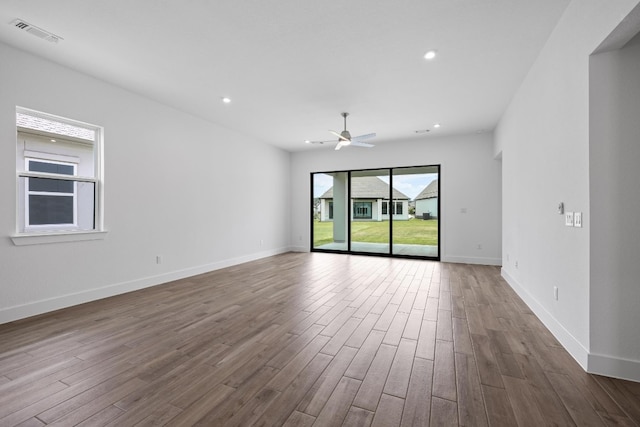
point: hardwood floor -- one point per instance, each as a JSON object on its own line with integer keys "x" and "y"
{"x": 301, "y": 340}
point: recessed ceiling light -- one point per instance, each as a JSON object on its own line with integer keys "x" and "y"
{"x": 53, "y": 140}
{"x": 226, "y": 100}
{"x": 437, "y": 125}
{"x": 430, "y": 54}
{"x": 306, "y": 141}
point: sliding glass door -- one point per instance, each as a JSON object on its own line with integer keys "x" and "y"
{"x": 330, "y": 211}
{"x": 369, "y": 221}
{"x": 416, "y": 234}
{"x": 390, "y": 211}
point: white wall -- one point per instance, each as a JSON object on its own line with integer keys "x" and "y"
{"x": 544, "y": 140}
{"x": 615, "y": 209}
{"x": 197, "y": 194}
{"x": 470, "y": 179}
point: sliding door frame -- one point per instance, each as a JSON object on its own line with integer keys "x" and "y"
{"x": 390, "y": 212}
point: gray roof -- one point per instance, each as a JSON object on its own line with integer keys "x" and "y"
{"x": 429, "y": 192}
{"x": 368, "y": 187}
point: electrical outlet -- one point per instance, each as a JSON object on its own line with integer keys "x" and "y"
{"x": 577, "y": 219}
{"x": 568, "y": 219}
{"x": 158, "y": 259}
{"x": 261, "y": 242}
{"x": 479, "y": 247}
{"x": 516, "y": 264}
{"x": 555, "y": 293}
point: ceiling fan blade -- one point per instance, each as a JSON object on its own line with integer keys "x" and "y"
{"x": 361, "y": 137}
{"x": 340, "y": 137}
{"x": 340, "y": 145}
{"x": 362, "y": 144}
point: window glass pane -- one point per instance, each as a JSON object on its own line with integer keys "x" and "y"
{"x": 64, "y": 149}
{"x": 330, "y": 211}
{"x": 393, "y": 211}
{"x": 50, "y": 185}
{"x": 50, "y": 210}
{"x": 51, "y": 168}
{"x": 369, "y": 225}
{"x": 415, "y": 232}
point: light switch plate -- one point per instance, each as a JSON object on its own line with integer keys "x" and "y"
{"x": 568, "y": 219}
{"x": 577, "y": 219}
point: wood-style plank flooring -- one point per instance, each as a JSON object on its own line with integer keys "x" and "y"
{"x": 301, "y": 340}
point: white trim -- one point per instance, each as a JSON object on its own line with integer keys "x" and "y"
{"x": 26, "y": 239}
{"x": 75, "y": 178}
{"x": 41, "y": 155}
{"x": 470, "y": 260}
{"x": 615, "y": 367}
{"x": 568, "y": 341}
{"x": 34, "y": 308}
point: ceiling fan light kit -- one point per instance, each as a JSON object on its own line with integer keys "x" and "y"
{"x": 345, "y": 138}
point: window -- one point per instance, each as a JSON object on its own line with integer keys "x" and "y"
{"x": 362, "y": 210}
{"x": 330, "y": 210}
{"x": 397, "y": 208}
{"x": 58, "y": 177}
{"x": 50, "y": 202}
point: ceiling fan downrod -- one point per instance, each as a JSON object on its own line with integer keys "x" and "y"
{"x": 345, "y": 136}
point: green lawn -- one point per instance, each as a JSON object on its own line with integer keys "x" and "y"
{"x": 413, "y": 231}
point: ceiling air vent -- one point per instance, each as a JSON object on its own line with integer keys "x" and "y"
{"x": 38, "y": 32}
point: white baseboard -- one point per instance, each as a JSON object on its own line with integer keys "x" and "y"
{"x": 614, "y": 367}
{"x": 568, "y": 341}
{"x": 471, "y": 260}
{"x": 599, "y": 364}
{"x": 299, "y": 249}
{"x": 34, "y": 308}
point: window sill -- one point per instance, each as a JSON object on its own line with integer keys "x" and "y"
{"x": 61, "y": 237}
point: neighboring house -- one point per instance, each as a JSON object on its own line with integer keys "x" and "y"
{"x": 369, "y": 201}
{"x": 427, "y": 201}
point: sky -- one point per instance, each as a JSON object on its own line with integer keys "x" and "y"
{"x": 410, "y": 185}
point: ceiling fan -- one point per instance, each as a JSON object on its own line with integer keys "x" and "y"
{"x": 345, "y": 138}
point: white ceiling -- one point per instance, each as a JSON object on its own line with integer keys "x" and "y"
{"x": 292, "y": 66}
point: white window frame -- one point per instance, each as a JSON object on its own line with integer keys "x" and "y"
{"x": 35, "y": 234}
